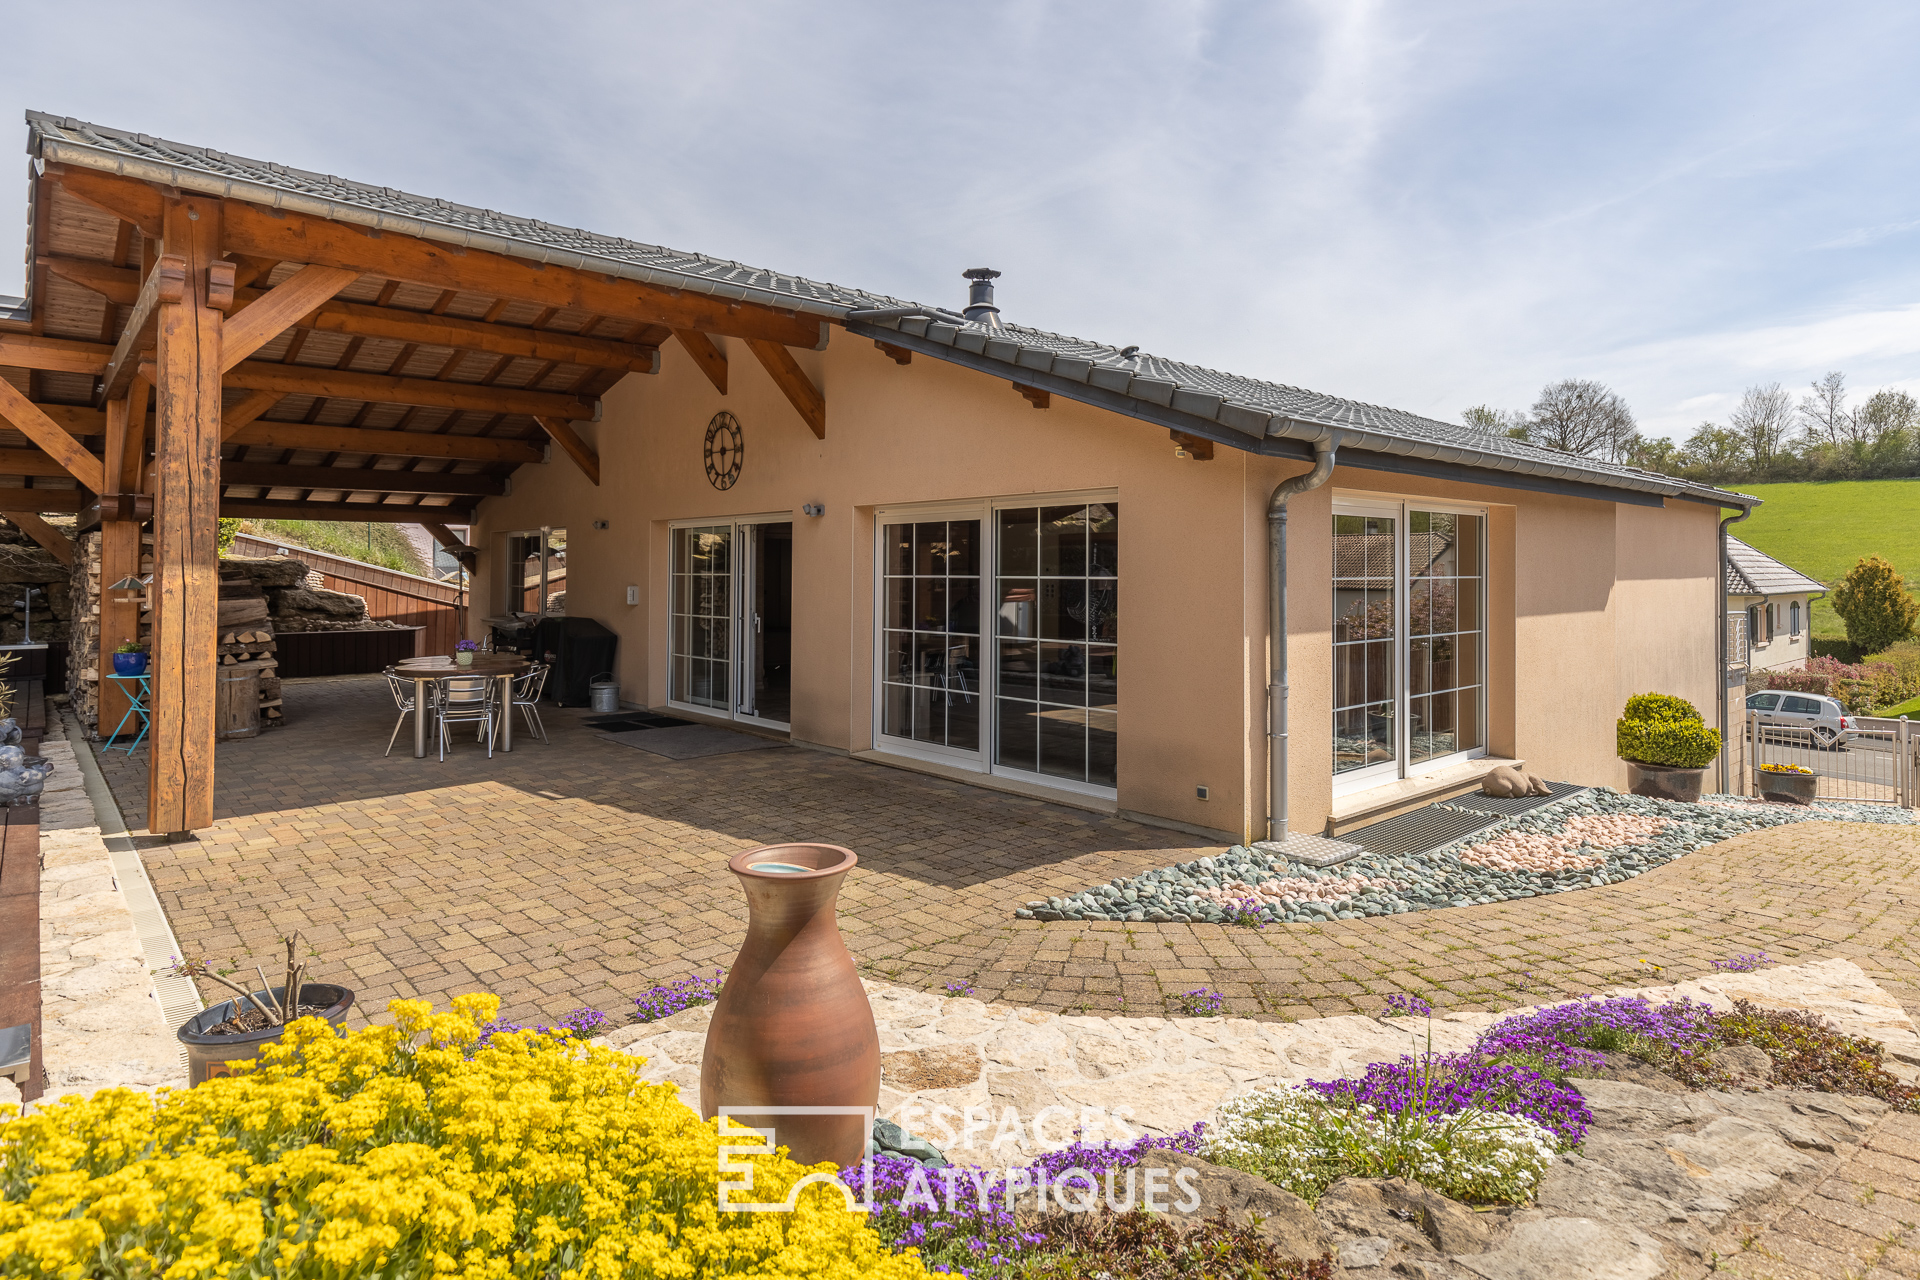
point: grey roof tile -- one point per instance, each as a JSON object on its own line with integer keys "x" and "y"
{"x": 1755, "y": 573}
{"x": 1247, "y": 405}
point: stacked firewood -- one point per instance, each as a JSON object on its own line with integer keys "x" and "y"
{"x": 246, "y": 635}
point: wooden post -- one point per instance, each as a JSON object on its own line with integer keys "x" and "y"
{"x": 119, "y": 558}
{"x": 186, "y": 495}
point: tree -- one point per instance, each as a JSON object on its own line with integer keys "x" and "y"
{"x": 1496, "y": 422}
{"x": 1762, "y": 420}
{"x": 1887, "y": 414}
{"x": 1716, "y": 450}
{"x": 1824, "y": 411}
{"x": 1873, "y": 601}
{"x": 1578, "y": 415}
{"x": 1656, "y": 454}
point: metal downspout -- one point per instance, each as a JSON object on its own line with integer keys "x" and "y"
{"x": 1720, "y": 626}
{"x": 1323, "y": 455}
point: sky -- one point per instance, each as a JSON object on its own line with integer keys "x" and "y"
{"x": 1424, "y": 205}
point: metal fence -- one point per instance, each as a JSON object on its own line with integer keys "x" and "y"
{"x": 1878, "y": 761}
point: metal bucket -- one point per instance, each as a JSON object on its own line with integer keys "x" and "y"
{"x": 603, "y": 692}
{"x": 209, "y": 1056}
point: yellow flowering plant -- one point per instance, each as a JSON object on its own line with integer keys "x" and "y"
{"x": 403, "y": 1151}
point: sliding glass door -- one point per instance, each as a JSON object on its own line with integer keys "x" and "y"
{"x": 998, "y": 639}
{"x": 730, "y": 636}
{"x": 1409, "y": 640}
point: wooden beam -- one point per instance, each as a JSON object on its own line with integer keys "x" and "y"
{"x": 119, "y": 285}
{"x": 359, "y": 479}
{"x": 38, "y": 427}
{"x": 381, "y": 388}
{"x": 186, "y": 583}
{"x": 55, "y": 355}
{"x": 358, "y": 512}
{"x": 127, "y": 199}
{"x": 295, "y": 238}
{"x": 1034, "y": 396}
{"x": 711, "y": 359}
{"x": 430, "y": 330}
{"x": 579, "y": 450}
{"x": 63, "y": 502}
{"x": 793, "y": 383}
{"x": 29, "y": 462}
{"x": 235, "y": 420}
{"x": 133, "y": 457}
{"x": 75, "y": 420}
{"x": 404, "y": 444}
{"x": 1199, "y": 448}
{"x": 122, "y": 285}
{"x": 899, "y": 355}
{"x": 166, "y": 283}
{"x": 44, "y": 534}
{"x": 265, "y": 318}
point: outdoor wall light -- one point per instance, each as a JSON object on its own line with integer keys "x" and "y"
{"x": 813, "y": 509}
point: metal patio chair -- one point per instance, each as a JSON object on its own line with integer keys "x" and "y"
{"x": 403, "y": 699}
{"x": 526, "y": 696}
{"x": 466, "y": 700}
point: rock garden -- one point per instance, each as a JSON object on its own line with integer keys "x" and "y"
{"x": 1585, "y": 840}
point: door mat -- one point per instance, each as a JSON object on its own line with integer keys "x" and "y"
{"x": 634, "y": 720}
{"x": 692, "y": 741}
{"x": 1421, "y": 831}
{"x": 1508, "y": 807}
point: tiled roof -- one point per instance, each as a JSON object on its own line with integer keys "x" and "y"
{"x": 1249, "y": 409}
{"x": 1755, "y": 573}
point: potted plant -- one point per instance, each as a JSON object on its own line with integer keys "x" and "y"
{"x": 1666, "y": 745}
{"x": 463, "y": 652}
{"x": 1787, "y": 783}
{"x": 234, "y": 1031}
{"x": 130, "y": 659}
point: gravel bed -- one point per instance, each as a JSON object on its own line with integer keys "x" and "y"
{"x": 1590, "y": 839}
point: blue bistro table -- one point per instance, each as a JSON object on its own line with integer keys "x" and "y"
{"x": 138, "y": 695}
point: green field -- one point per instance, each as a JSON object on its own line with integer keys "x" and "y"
{"x": 381, "y": 544}
{"x": 1822, "y": 529}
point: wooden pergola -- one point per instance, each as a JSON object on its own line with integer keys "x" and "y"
{"x": 198, "y": 348}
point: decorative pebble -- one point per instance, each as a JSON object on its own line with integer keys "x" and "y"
{"x": 1588, "y": 840}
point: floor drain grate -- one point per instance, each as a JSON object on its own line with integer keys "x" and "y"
{"x": 1421, "y": 831}
{"x": 1508, "y": 808}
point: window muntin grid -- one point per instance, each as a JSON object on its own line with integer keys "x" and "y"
{"x": 930, "y": 688}
{"x": 700, "y": 671}
{"x": 1057, "y": 602}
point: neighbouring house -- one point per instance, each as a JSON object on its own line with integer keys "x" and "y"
{"x": 930, "y": 538}
{"x": 1775, "y": 600}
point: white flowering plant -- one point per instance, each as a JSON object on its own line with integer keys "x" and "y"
{"x": 1304, "y": 1141}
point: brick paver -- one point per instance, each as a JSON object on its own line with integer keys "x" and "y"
{"x": 583, "y": 872}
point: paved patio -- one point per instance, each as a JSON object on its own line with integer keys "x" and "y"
{"x": 584, "y": 872}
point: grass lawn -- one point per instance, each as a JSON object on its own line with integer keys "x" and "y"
{"x": 1911, "y": 707}
{"x": 1822, "y": 529}
{"x": 381, "y": 544}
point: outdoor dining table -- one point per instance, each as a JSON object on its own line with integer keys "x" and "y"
{"x": 497, "y": 666}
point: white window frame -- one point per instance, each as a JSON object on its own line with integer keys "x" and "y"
{"x": 986, "y": 511}
{"x": 1400, "y": 509}
{"x": 737, "y": 619}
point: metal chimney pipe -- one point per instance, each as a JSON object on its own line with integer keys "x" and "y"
{"x": 980, "y": 308}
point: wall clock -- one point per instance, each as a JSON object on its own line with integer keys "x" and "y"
{"x": 724, "y": 449}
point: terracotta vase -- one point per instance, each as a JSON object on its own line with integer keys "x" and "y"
{"x": 792, "y": 1026}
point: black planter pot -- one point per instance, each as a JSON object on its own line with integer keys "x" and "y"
{"x": 209, "y": 1056}
{"x": 1662, "y": 782}
{"x": 1787, "y": 788}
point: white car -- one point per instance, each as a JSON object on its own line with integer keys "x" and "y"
{"x": 1824, "y": 718}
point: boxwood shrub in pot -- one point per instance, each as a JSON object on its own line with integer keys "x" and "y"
{"x": 1666, "y": 745}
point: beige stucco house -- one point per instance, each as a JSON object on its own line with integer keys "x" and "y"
{"x": 928, "y": 539}
{"x": 1041, "y": 564}
{"x": 1773, "y": 601}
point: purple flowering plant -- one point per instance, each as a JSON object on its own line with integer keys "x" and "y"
{"x": 1201, "y": 1002}
{"x": 1568, "y": 1039}
{"x": 1400, "y": 1005}
{"x": 668, "y": 998}
{"x": 465, "y": 646}
{"x": 1447, "y": 1084}
{"x": 1744, "y": 964}
{"x": 579, "y": 1024}
{"x": 960, "y": 987}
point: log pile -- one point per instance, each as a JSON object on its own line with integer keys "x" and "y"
{"x": 83, "y": 655}
{"x": 246, "y": 631}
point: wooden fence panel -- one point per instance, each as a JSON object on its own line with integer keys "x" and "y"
{"x": 411, "y": 601}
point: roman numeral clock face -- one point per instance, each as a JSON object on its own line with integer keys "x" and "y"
{"x": 725, "y": 447}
